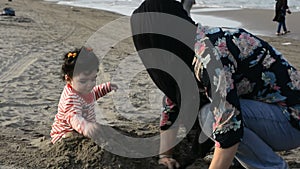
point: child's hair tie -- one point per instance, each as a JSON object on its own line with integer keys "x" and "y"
{"x": 73, "y": 55}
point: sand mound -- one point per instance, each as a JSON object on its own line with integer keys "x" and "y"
{"x": 82, "y": 152}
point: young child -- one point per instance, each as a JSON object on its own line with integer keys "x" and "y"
{"x": 77, "y": 101}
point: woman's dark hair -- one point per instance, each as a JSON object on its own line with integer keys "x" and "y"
{"x": 78, "y": 61}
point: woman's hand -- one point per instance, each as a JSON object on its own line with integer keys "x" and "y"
{"x": 169, "y": 162}
{"x": 222, "y": 158}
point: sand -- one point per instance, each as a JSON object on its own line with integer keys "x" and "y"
{"x": 31, "y": 45}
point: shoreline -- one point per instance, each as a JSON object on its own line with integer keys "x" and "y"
{"x": 258, "y": 21}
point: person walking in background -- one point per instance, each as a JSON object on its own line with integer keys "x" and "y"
{"x": 281, "y": 9}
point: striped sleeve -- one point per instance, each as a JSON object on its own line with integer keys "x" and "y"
{"x": 102, "y": 89}
{"x": 75, "y": 119}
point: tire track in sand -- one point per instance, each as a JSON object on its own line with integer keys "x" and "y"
{"x": 15, "y": 69}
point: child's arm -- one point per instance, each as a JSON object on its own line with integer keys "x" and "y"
{"x": 103, "y": 89}
{"x": 83, "y": 126}
{"x": 74, "y": 118}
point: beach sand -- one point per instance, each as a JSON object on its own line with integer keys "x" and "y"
{"x": 31, "y": 45}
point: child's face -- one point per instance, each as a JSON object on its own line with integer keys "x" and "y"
{"x": 84, "y": 82}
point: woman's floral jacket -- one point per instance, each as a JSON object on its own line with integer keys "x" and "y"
{"x": 240, "y": 65}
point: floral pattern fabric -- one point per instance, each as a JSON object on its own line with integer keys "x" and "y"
{"x": 241, "y": 65}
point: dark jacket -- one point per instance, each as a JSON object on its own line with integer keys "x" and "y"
{"x": 164, "y": 81}
{"x": 280, "y": 10}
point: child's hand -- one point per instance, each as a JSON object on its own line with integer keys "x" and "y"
{"x": 113, "y": 86}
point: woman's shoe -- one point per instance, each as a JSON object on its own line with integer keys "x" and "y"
{"x": 278, "y": 34}
{"x": 285, "y": 32}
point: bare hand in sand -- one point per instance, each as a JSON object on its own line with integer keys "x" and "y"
{"x": 113, "y": 86}
{"x": 169, "y": 162}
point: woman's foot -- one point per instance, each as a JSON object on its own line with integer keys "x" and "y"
{"x": 278, "y": 33}
{"x": 285, "y": 32}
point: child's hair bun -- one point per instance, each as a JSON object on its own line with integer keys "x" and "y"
{"x": 84, "y": 59}
{"x": 71, "y": 55}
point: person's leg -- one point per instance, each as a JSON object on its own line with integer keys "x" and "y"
{"x": 266, "y": 130}
{"x": 279, "y": 28}
{"x": 285, "y": 31}
{"x": 284, "y": 26}
{"x": 269, "y": 123}
{"x": 254, "y": 153}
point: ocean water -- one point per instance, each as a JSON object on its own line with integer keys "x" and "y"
{"x": 126, "y": 7}
{"x": 257, "y": 4}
